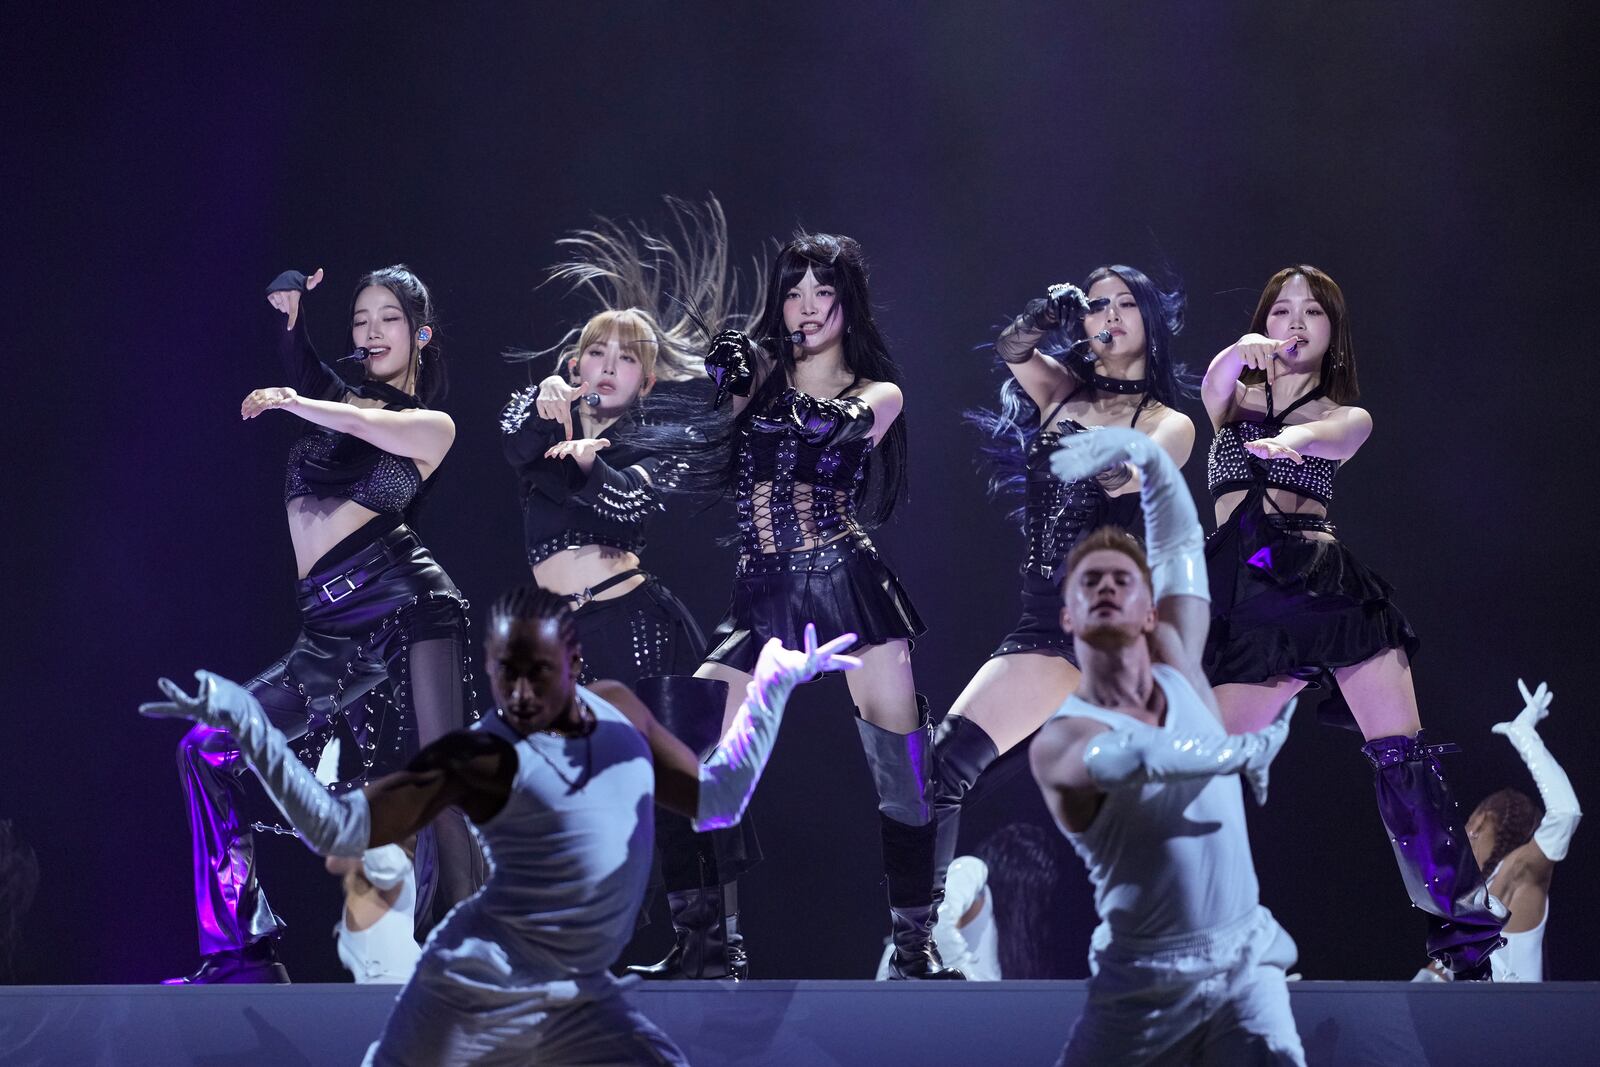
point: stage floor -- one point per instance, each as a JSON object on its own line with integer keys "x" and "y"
{"x": 798, "y": 1024}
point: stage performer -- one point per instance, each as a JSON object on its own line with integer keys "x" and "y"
{"x": 819, "y": 456}
{"x": 1079, "y": 359}
{"x": 597, "y": 452}
{"x": 1518, "y": 849}
{"x": 1292, "y": 604}
{"x": 560, "y": 782}
{"x": 1186, "y": 966}
{"x": 381, "y": 622}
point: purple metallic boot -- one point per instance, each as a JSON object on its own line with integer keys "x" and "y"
{"x": 1435, "y": 858}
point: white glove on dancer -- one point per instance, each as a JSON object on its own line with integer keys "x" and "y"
{"x": 1119, "y": 759}
{"x": 728, "y": 777}
{"x": 330, "y": 825}
{"x": 1172, "y": 526}
{"x": 1561, "y": 812}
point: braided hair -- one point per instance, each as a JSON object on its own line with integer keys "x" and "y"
{"x": 1515, "y": 817}
{"x": 536, "y": 604}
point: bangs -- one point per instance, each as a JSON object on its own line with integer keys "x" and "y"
{"x": 634, "y": 331}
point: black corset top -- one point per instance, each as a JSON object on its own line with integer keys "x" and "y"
{"x": 1056, "y": 513}
{"x": 1230, "y": 467}
{"x": 792, "y": 495}
{"x": 325, "y": 463}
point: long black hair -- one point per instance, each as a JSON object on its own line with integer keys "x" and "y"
{"x": 416, "y": 301}
{"x": 1009, "y": 430}
{"x": 836, "y": 261}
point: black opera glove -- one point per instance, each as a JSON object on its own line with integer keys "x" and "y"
{"x": 290, "y": 281}
{"x": 818, "y": 422}
{"x": 1061, "y": 304}
{"x": 730, "y": 362}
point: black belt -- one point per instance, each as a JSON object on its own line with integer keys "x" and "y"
{"x": 393, "y": 547}
{"x": 580, "y": 599}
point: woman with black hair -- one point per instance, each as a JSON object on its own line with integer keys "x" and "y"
{"x": 1078, "y": 359}
{"x": 1291, "y": 604}
{"x": 597, "y": 450}
{"x": 820, "y": 455}
{"x": 382, "y": 625}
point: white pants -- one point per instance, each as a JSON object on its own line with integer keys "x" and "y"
{"x": 1213, "y": 998}
{"x": 436, "y": 1024}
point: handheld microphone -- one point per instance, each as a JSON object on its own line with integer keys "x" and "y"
{"x": 592, "y": 399}
{"x": 1104, "y": 337}
{"x": 359, "y": 355}
{"x": 797, "y": 338}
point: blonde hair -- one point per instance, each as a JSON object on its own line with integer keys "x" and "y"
{"x": 662, "y": 294}
{"x": 634, "y": 330}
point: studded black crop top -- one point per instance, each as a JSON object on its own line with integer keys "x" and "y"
{"x": 562, "y": 507}
{"x": 326, "y": 463}
{"x": 1056, "y": 513}
{"x": 1230, "y": 467}
{"x": 801, "y": 464}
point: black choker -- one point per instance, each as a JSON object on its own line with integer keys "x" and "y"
{"x": 1125, "y": 386}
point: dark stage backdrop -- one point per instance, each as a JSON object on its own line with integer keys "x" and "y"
{"x": 160, "y": 169}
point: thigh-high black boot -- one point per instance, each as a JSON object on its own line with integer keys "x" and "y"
{"x": 1435, "y": 857}
{"x": 699, "y": 871}
{"x": 961, "y": 751}
{"x": 902, "y": 770}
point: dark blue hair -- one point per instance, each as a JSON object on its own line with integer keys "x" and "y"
{"x": 1009, "y": 429}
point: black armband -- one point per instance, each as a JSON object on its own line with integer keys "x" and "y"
{"x": 818, "y": 422}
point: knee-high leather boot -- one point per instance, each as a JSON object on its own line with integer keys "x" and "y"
{"x": 902, "y": 770}
{"x": 961, "y": 751}
{"x": 699, "y": 871}
{"x": 1435, "y": 857}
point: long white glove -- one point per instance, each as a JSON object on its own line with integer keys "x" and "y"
{"x": 1172, "y": 526}
{"x": 729, "y": 776}
{"x": 1118, "y": 759}
{"x": 1561, "y": 812}
{"x": 331, "y": 825}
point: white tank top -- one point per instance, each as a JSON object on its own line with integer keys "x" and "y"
{"x": 570, "y": 853}
{"x": 1521, "y": 958}
{"x": 387, "y": 951}
{"x": 1171, "y": 858}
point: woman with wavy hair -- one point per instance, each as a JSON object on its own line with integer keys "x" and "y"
{"x": 1078, "y": 359}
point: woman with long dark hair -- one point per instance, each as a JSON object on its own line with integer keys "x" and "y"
{"x": 820, "y": 456}
{"x": 598, "y": 450}
{"x": 1078, "y": 359}
{"x": 1292, "y": 605}
{"x": 382, "y": 625}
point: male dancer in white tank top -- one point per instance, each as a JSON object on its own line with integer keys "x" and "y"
{"x": 560, "y": 785}
{"x": 1186, "y": 965}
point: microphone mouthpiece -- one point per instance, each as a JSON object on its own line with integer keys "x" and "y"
{"x": 359, "y": 355}
{"x": 798, "y": 337}
{"x": 1104, "y": 337}
{"x": 592, "y": 399}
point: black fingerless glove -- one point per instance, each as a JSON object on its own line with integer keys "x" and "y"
{"x": 730, "y": 362}
{"x": 818, "y": 422}
{"x": 290, "y": 281}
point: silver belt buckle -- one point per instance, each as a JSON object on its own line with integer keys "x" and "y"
{"x": 334, "y": 598}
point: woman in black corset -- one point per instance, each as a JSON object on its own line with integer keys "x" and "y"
{"x": 1292, "y": 605}
{"x": 382, "y": 626}
{"x": 598, "y": 448}
{"x": 1078, "y": 359}
{"x": 820, "y": 453}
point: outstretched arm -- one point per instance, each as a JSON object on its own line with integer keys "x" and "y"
{"x": 418, "y": 434}
{"x": 1042, "y": 377}
{"x": 471, "y": 770}
{"x": 1172, "y": 529}
{"x": 714, "y": 793}
{"x": 1561, "y": 811}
